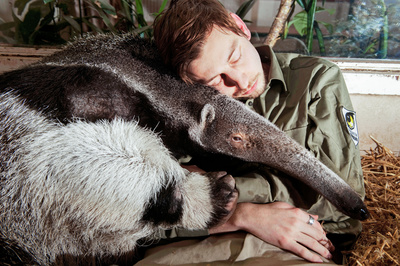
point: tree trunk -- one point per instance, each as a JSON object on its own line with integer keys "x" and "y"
{"x": 279, "y": 23}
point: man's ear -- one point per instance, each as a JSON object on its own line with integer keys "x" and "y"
{"x": 241, "y": 25}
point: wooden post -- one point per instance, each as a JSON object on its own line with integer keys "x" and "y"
{"x": 279, "y": 23}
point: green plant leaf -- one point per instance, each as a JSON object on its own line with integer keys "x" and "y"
{"x": 6, "y": 39}
{"x": 301, "y": 3}
{"x": 17, "y": 34}
{"x": 384, "y": 32}
{"x": 126, "y": 11}
{"x": 140, "y": 14}
{"x": 299, "y": 22}
{"x": 162, "y": 7}
{"x": 142, "y": 30}
{"x": 331, "y": 11}
{"x": 8, "y": 31}
{"x": 20, "y": 5}
{"x": 106, "y": 7}
{"x": 285, "y": 30}
{"x": 64, "y": 8}
{"x": 310, "y": 24}
{"x": 17, "y": 21}
{"x": 7, "y": 25}
{"x": 47, "y": 18}
{"x": 319, "y": 9}
{"x": 104, "y": 18}
{"x": 245, "y": 8}
{"x": 40, "y": 4}
{"x": 370, "y": 48}
{"x": 92, "y": 26}
{"x": 327, "y": 25}
{"x": 74, "y": 24}
{"x": 28, "y": 25}
{"x": 320, "y": 38}
{"x": 139, "y": 7}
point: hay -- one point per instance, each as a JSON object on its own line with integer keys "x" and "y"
{"x": 379, "y": 242}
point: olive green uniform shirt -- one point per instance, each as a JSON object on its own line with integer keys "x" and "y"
{"x": 307, "y": 98}
{"x": 304, "y": 97}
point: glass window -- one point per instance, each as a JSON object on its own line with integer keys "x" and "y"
{"x": 348, "y": 28}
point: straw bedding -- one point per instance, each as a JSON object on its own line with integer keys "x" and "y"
{"x": 379, "y": 242}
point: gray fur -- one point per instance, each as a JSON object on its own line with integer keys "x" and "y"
{"x": 83, "y": 169}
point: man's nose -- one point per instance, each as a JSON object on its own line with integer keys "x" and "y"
{"x": 236, "y": 78}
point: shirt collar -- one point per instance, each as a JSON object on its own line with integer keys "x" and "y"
{"x": 275, "y": 72}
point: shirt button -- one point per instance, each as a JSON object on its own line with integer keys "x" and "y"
{"x": 250, "y": 103}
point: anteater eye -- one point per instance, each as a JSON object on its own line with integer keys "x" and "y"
{"x": 236, "y": 138}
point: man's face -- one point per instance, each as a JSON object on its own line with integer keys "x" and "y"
{"x": 231, "y": 64}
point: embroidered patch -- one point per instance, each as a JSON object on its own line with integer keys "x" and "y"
{"x": 351, "y": 124}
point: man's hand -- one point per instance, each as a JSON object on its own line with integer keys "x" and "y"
{"x": 279, "y": 224}
{"x": 193, "y": 168}
{"x": 282, "y": 225}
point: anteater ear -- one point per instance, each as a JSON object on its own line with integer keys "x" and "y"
{"x": 207, "y": 115}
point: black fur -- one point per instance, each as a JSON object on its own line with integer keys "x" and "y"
{"x": 166, "y": 208}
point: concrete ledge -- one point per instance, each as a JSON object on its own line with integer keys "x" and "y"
{"x": 370, "y": 76}
{"x": 15, "y": 57}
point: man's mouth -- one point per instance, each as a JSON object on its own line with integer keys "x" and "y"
{"x": 252, "y": 88}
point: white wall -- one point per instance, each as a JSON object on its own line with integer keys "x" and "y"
{"x": 374, "y": 87}
{"x": 378, "y": 116}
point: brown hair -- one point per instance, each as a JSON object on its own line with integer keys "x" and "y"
{"x": 180, "y": 30}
